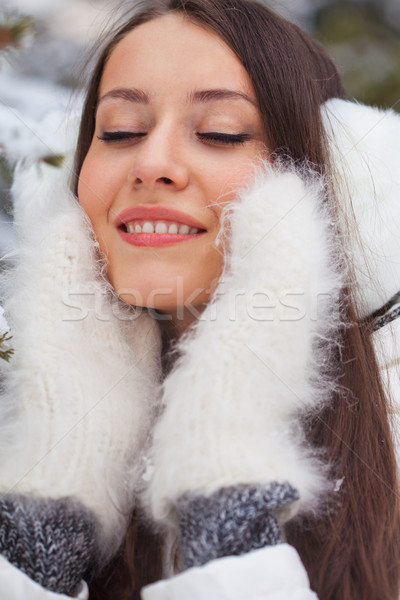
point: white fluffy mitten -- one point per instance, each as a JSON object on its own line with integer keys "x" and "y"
{"x": 79, "y": 397}
{"x": 229, "y": 453}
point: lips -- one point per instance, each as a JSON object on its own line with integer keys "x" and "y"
{"x": 157, "y": 226}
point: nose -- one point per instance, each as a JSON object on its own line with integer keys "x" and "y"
{"x": 159, "y": 160}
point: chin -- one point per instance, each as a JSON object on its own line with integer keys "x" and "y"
{"x": 162, "y": 289}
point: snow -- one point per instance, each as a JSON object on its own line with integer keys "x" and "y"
{"x": 36, "y": 82}
{"x": 36, "y": 94}
{"x": 3, "y": 322}
{"x": 74, "y": 19}
{"x": 22, "y": 137}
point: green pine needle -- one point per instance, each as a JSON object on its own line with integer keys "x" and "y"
{"x": 14, "y": 30}
{"x": 22, "y": 27}
{"x": 55, "y": 160}
{"x": 5, "y": 353}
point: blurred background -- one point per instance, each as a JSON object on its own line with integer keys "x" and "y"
{"x": 43, "y": 44}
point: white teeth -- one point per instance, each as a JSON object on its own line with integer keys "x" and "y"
{"x": 148, "y": 227}
{"x": 173, "y": 228}
{"x": 161, "y": 227}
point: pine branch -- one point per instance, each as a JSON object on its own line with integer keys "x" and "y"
{"x": 5, "y": 353}
{"x": 54, "y": 160}
{"x": 14, "y": 31}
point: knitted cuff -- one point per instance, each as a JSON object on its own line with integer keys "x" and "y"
{"x": 232, "y": 521}
{"x": 51, "y": 541}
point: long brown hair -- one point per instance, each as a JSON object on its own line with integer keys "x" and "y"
{"x": 351, "y": 549}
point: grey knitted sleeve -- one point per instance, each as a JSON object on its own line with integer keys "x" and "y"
{"x": 232, "y": 521}
{"x": 51, "y": 541}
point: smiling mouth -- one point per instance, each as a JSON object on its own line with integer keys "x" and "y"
{"x": 159, "y": 227}
{"x": 146, "y": 232}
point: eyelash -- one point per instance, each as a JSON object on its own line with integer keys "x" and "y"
{"x": 119, "y": 136}
{"x": 212, "y": 137}
{"x": 225, "y": 139}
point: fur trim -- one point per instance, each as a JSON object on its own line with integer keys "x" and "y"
{"x": 246, "y": 373}
{"x": 364, "y": 144}
{"x": 83, "y": 396}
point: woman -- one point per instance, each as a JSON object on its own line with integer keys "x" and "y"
{"x": 220, "y": 196}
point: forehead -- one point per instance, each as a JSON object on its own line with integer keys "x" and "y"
{"x": 170, "y": 52}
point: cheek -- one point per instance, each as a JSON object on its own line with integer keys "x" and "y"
{"x": 226, "y": 187}
{"x": 87, "y": 188}
{"x": 95, "y": 189}
{"x": 225, "y": 183}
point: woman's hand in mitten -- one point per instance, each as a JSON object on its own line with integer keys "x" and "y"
{"x": 231, "y": 521}
{"x": 79, "y": 397}
{"x": 229, "y": 453}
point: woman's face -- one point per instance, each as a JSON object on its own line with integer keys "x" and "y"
{"x": 177, "y": 131}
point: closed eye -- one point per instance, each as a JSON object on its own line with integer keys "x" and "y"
{"x": 210, "y": 137}
{"x": 227, "y": 139}
{"x": 119, "y": 136}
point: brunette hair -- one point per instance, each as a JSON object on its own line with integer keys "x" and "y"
{"x": 352, "y": 549}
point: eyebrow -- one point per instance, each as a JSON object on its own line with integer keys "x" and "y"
{"x": 127, "y": 94}
{"x": 219, "y": 94}
{"x": 196, "y": 96}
